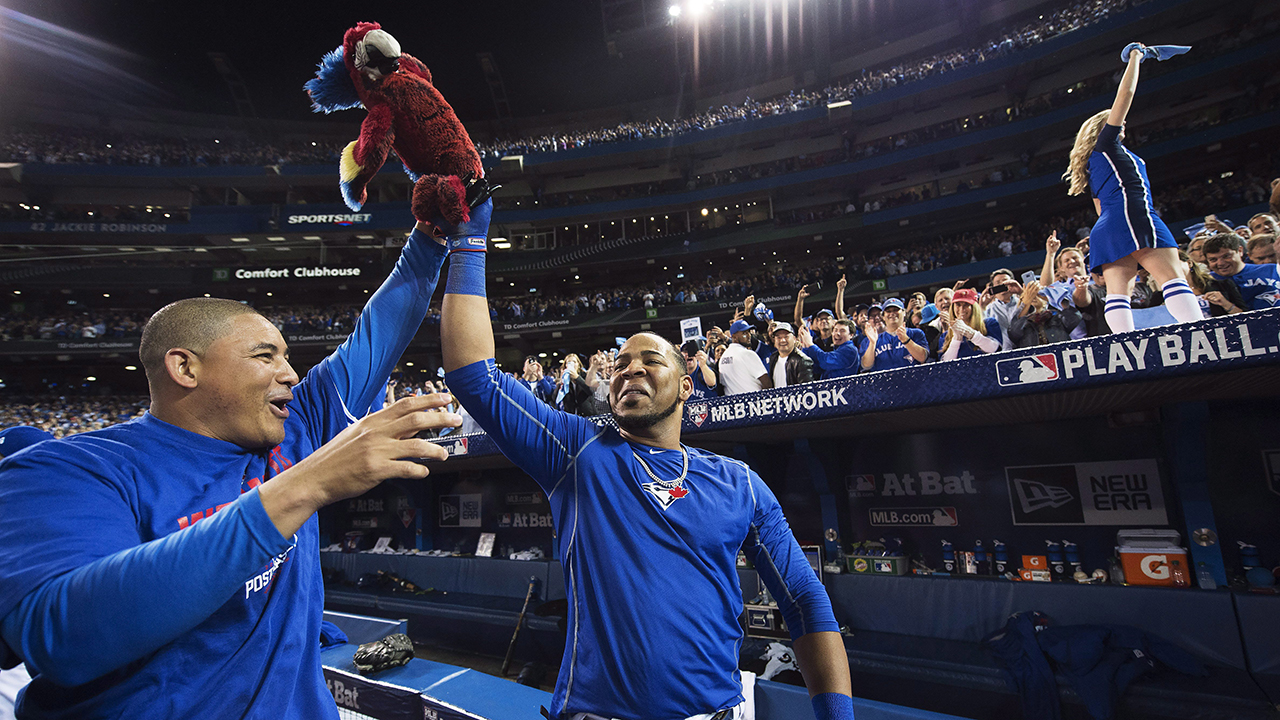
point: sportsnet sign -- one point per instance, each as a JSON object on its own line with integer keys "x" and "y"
{"x": 1124, "y": 492}
{"x": 339, "y": 219}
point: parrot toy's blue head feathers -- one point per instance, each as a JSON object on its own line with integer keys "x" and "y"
{"x": 332, "y": 89}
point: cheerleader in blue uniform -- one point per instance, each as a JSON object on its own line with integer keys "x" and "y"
{"x": 1128, "y": 231}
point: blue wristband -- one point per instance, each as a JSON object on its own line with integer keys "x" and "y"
{"x": 466, "y": 274}
{"x": 832, "y": 706}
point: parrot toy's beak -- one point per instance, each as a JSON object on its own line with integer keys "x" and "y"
{"x": 377, "y": 55}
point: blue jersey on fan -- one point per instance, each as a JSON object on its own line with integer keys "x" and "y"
{"x": 1259, "y": 285}
{"x": 140, "y": 576}
{"x": 890, "y": 352}
{"x": 648, "y": 540}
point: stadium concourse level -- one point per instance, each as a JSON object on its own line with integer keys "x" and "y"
{"x": 48, "y": 321}
{"x": 1060, "y": 21}
{"x": 52, "y": 146}
{"x": 1022, "y": 109}
{"x": 1063, "y": 302}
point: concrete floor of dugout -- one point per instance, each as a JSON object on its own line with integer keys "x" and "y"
{"x": 482, "y": 663}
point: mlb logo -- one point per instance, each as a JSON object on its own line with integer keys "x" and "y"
{"x": 1027, "y": 370}
{"x": 459, "y": 447}
{"x": 698, "y": 413}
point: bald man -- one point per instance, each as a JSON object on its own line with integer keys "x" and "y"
{"x": 168, "y": 567}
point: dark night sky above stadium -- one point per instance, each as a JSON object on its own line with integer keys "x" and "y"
{"x": 275, "y": 45}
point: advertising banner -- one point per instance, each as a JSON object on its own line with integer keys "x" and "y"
{"x": 1099, "y": 493}
{"x": 460, "y": 510}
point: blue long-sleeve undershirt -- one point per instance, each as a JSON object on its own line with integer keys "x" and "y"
{"x": 83, "y": 622}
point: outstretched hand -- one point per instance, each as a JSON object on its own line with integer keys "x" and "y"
{"x": 378, "y": 447}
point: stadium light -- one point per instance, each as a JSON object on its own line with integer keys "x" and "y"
{"x": 697, "y": 6}
{"x": 674, "y": 11}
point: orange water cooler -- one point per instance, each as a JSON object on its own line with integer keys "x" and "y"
{"x": 1153, "y": 557}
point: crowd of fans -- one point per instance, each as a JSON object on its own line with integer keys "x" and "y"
{"x": 63, "y": 415}
{"x": 762, "y": 347}
{"x": 865, "y": 83}
{"x": 1187, "y": 199}
{"x": 51, "y": 145}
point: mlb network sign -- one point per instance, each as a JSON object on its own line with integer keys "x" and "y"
{"x": 1124, "y": 492}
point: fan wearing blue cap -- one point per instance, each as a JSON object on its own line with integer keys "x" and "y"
{"x": 741, "y": 369}
{"x": 890, "y": 344}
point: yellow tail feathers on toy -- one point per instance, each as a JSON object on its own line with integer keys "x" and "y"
{"x": 348, "y": 168}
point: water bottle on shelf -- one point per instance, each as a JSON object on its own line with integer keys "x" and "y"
{"x": 980, "y": 558}
{"x": 1001, "y": 554}
{"x": 1057, "y": 563}
{"x": 948, "y": 558}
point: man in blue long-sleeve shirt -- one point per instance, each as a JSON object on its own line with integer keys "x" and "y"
{"x": 648, "y": 529}
{"x": 169, "y": 566}
{"x": 842, "y": 359}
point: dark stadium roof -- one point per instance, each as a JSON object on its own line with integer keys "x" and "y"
{"x": 552, "y": 55}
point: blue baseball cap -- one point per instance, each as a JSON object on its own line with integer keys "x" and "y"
{"x": 739, "y": 326}
{"x": 825, "y": 311}
{"x": 21, "y": 437}
{"x": 893, "y": 303}
{"x": 928, "y": 313}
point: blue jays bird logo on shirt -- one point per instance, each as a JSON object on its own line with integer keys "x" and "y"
{"x": 665, "y": 494}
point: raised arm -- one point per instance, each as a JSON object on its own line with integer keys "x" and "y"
{"x": 1051, "y": 246}
{"x": 1128, "y": 85}
{"x": 800, "y": 296}
{"x": 840, "y": 286}
{"x": 537, "y": 437}
{"x": 363, "y": 362}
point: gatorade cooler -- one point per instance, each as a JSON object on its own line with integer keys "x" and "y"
{"x": 1148, "y": 556}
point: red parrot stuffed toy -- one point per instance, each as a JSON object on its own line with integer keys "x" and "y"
{"x": 406, "y": 113}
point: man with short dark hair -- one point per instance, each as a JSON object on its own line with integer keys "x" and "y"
{"x": 1264, "y": 223}
{"x": 648, "y": 530}
{"x": 788, "y": 367}
{"x": 1261, "y": 249}
{"x": 179, "y": 575}
{"x": 999, "y": 300}
{"x": 843, "y": 357}
{"x": 1259, "y": 284}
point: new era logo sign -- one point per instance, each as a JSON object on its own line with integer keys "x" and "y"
{"x": 1034, "y": 495}
{"x": 1045, "y": 495}
{"x": 1027, "y": 370}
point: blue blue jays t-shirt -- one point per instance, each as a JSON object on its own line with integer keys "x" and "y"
{"x": 161, "y": 587}
{"x": 890, "y": 352}
{"x": 649, "y": 555}
{"x": 1259, "y": 285}
{"x": 701, "y": 391}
